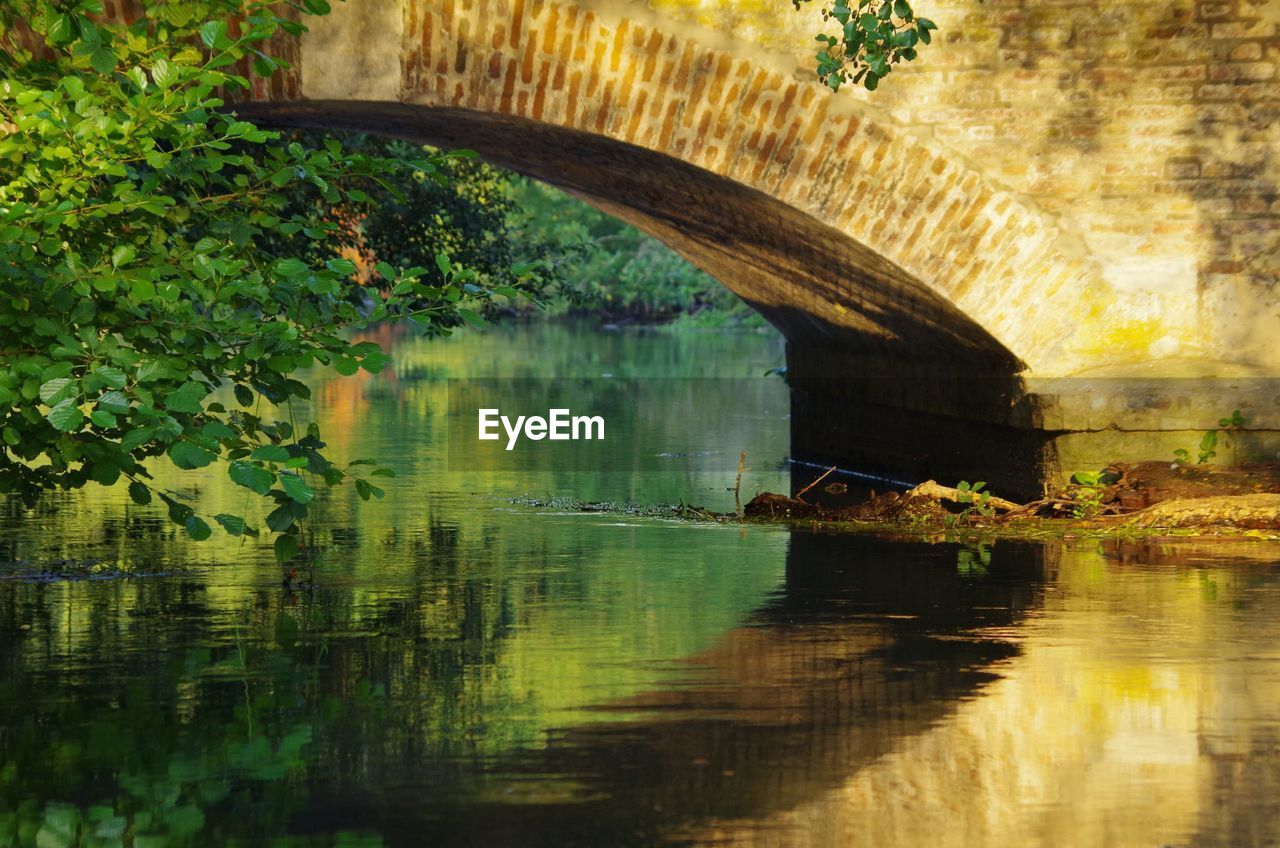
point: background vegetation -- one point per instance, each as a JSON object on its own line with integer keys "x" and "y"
{"x": 572, "y": 258}
{"x": 614, "y": 270}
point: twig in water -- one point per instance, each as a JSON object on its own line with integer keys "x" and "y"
{"x": 737, "y": 486}
{"x": 822, "y": 477}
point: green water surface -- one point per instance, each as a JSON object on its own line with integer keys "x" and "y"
{"x": 469, "y": 670}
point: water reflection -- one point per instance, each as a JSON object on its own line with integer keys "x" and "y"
{"x": 469, "y": 672}
{"x": 866, "y": 644}
{"x": 1142, "y": 709}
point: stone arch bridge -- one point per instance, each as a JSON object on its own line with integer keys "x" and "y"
{"x": 1052, "y": 239}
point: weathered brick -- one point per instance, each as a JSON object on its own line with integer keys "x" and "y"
{"x": 1246, "y": 52}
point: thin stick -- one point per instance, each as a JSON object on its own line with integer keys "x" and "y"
{"x": 815, "y": 482}
{"x": 737, "y": 486}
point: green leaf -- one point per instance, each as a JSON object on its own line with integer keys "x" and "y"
{"x": 61, "y": 30}
{"x": 292, "y": 268}
{"x": 216, "y": 430}
{"x": 442, "y": 262}
{"x": 59, "y": 389}
{"x": 197, "y": 528}
{"x": 150, "y": 371}
{"x": 233, "y": 524}
{"x": 296, "y": 488}
{"x": 140, "y": 494}
{"x": 123, "y": 255}
{"x": 341, "y": 267}
{"x": 102, "y": 59}
{"x": 114, "y": 402}
{"x": 281, "y": 518}
{"x": 367, "y": 490}
{"x": 187, "y": 455}
{"x": 178, "y": 512}
{"x": 111, "y": 376}
{"x": 66, "y": 416}
{"x": 213, "y": 33}
{"x": 163, "y": 73}
{"x": 186, "y": 398}
{"x": 135, "y": 439}
{"x": 263, "y": 65}
{"x": 286, "y": 548}
{"x": 374, "y": 362}
{"x": 251, "y": 476}
{"x": 472, "y": 317}
{"x": 270, "y": 453}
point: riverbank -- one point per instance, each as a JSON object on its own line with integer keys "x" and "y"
{"x": 1141, "y": 500}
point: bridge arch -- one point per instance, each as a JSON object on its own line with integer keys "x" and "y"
{"x": 818, "y": 286}
{"x": 845, "y": 231}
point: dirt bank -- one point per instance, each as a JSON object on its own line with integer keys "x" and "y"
{"x": 1148, "y": 496}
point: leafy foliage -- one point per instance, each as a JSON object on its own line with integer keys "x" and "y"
{"x": 1086, "y": 491}
{"x": 140, "y": 265}
{"x": 1208, "y": 447}
{"x": 608, "y": 267}
{"x": 874, "y": 36}
{"x": 456, "y": 205}
{"x": 976, "y": 500}
{"x": 508, "y": 230}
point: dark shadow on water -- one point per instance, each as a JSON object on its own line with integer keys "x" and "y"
{"x": 868, "y": 643}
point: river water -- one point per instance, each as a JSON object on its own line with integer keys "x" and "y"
{"x": 471, "y": 671}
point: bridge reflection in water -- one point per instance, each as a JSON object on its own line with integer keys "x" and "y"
{"x": 910, "y": 694}
{"x": 1141, "y": 709}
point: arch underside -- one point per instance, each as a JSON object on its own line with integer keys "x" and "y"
{"x": 818, "y": 286}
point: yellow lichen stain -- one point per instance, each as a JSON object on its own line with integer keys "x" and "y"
{"x": 1134, "y": 337}
{"x": 1107, "y": 335}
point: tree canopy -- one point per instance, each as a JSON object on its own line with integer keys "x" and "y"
{"x": 147, "y": 307}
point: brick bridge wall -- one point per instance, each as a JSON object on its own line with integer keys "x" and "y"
{"x": 1110, "y": 166}
{"x": 1090, "y": 184}
{"x": 1148, "y": 131}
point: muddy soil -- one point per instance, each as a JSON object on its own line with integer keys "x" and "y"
{"x": 1138, "y": 495}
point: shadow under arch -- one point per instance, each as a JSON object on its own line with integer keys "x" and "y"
{"x": 869, "y": 642}
{"x": 817, "y": 285}
{"x": 867, "y": 342}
